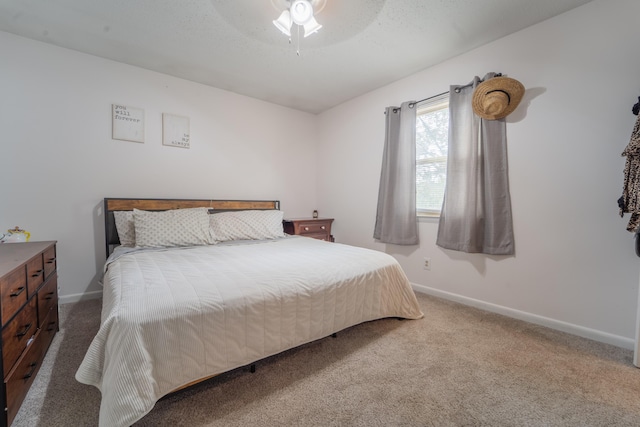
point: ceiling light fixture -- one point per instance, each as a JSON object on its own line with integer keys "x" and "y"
{"x": 301, "y": 13}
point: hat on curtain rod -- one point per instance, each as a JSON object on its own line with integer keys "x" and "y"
{"x": 496, "y": 98}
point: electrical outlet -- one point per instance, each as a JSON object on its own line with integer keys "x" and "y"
{"x": 427, "y": 264}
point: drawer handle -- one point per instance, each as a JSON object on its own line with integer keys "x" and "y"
{"x": 49, "y": 295}
{"x": 323, "y": 227}
{"x": 51, "y": 326}
{"x": 51, "y": 261}
{"x": 29, "y": 374}
{"x": 37, "y": 273}
{"x": 24, "y": 332}
{"x": 17, "y": 292}
{"x": 306, "y": 229}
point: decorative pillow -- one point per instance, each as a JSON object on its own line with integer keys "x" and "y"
{"x": 246, "y": 225}
{"x": 125, "y": 228}
{"x": 177, "y": 227}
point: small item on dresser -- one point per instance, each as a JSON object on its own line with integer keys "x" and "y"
{"x": 15, "y": 235}
{"x": 315, "y": 214}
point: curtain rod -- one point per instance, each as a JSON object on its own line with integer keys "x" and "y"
{"x": 457, "y": 90}
{"x": 431, "y": 97}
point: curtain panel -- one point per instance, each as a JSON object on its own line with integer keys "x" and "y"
{"x": 396, "y": 219}
{"x": 476, "y": 212}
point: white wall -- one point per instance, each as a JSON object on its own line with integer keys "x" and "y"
{"x": 574, "y": 267}
{"x": 59, "y": 161}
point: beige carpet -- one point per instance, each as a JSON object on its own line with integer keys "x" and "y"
{"x": 458, "y": 366}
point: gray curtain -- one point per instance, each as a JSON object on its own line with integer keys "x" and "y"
{"x": 476, "y": 212}
{"x": 396, "y": 219}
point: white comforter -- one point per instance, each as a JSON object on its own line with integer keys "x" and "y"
{"x": 173, "y": 316}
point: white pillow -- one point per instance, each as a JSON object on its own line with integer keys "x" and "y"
{"x": 246, "y": 225}
{"x": 125, "y": 227}
{"x": 177, "y": 227}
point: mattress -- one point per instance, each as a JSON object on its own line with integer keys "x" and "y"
{"x": 173, "y": 316}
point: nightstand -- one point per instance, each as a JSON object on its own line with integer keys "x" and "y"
{"x": 317, "y": 228}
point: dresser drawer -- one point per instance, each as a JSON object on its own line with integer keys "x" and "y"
{"x": 49, "y": 328}
{"x": 319, "y": 236}
{"x": 17, "y": 333}
{"x": 49, "y": 258}
{"x": 47, "y": 297}
{"x": 316, "y": 227}
{"x": 319, "y": 228}
{"x": 13, "y": 293}
{"x": 21, "y": 377}
{"x": 35, "y": 274}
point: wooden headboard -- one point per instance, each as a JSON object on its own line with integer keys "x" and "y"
{"x": 113, "y": 204}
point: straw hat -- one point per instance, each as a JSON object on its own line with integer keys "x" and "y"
{"x": 497, "y": 97}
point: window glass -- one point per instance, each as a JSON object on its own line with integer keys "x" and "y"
{"x": 432, "y": 141}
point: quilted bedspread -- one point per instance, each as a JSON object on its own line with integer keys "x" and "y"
{"x": 173, "y": 316}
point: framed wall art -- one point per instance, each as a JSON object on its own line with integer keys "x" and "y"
{"x": 175, "y": 131}
{"x": 127, "y": 123}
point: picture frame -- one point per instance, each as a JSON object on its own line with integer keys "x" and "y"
{"x": 127, "y": 123}
{"x": 175, "y": 131}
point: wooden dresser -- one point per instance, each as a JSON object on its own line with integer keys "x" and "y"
{"x": 318, "y": 228}
{"x": 29, "y": 313}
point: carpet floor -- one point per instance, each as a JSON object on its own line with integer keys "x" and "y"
{"x": 458, "y": 366}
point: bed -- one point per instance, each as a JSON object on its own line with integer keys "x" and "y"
{"x": 182, "y": 304}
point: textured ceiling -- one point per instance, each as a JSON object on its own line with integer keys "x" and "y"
{"x": 232, "y": 44}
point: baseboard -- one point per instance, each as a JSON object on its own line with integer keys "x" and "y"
{"x": 559, "y": 325}
{"x": 66, "y": 299}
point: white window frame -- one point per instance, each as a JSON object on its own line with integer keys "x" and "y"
{"x": 430, "y": 105}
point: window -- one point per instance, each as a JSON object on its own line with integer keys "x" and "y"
{"x": 432, "y": 140}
